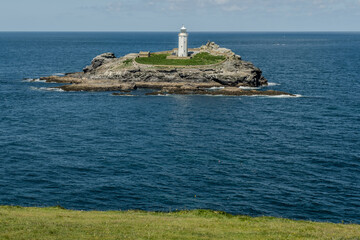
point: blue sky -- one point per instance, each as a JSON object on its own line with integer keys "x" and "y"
{"x": 168, "y": 15}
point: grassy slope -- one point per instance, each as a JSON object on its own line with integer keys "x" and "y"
{"x": 55, "y": 223}
{"x": 198, "y": 59}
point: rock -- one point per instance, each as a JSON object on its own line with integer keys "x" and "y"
{"x": 108, "y": 73}
{"x": 162, "y": 85}
{"x": 123, "y": 94}
{"x": 98, "y": 61}
{"x": 99, "y": 87}
{"x": 62, "y": 79}
{"x": 227, "y": 91}
{"x": 210, "y": 46}
{"x": 189, "y": 87}
{"x": 231, "y": 72}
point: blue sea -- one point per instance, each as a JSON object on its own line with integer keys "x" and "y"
{"x": 293, "y": 157}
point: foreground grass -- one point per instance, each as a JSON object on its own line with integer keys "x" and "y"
{"x": 199, "y": 59}
{"x": 56, "y": 223}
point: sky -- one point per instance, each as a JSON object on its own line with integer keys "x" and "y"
{"x": 169, "y": 15}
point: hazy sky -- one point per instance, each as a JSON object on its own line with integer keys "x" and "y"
{"x": 168, "y": 15}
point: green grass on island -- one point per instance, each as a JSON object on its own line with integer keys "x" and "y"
{"x": 127, "y": 62}
{"x": 56, "y": 223}
{"x": 203, "y": 58}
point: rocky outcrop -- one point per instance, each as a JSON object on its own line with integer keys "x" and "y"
{"x": 102, "y": 86}
{"x": 216, "y": 50}
{"x": 98, "y": 61}
{"x": 108, "y": 73}
{"x": 231, "y": 72}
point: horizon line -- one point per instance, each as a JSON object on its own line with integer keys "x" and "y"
{"x": 153, "y": 31}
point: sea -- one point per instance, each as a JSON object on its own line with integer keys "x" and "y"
{"x": 291, "y": 157}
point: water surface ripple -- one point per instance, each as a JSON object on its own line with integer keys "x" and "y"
{"x": 289, "y": 157}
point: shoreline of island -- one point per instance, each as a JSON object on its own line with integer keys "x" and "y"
{"x": 211, "y": 70}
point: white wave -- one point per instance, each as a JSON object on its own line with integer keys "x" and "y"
{"x": 59, "y": 74}
{"x": 34, "y": 80}
{"x": 249, "y": 88}
{"x": 216, "y": 88}
{"x": 28, "y": 80}
{"x": 161, "y": 95}
{"x": 278, "y": 96}
{"x": 47, "y": 89}
{"x": 270, "y": 84}
{"x": 216, "y": 95}
{"x": 39, "y": 80}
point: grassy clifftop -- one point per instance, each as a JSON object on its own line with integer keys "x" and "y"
{"x": 203, "y": 58}
{"x": 56, "y": 223}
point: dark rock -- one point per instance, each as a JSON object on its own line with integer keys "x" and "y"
{"x": 99, "y": 61}
{"x": 122, "y": 94}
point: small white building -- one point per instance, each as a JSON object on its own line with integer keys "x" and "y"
{"x": 183, "y": 43}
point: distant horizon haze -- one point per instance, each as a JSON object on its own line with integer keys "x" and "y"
{"x": 169, "y": 15}
{"x": 143, "y": 31}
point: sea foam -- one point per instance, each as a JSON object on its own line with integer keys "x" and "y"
{"x": 216, "y": 88}
{"x": 279, "y": 96}
{"x": 47, "y": 89}
{"x": 59, "y": 74}
{"x": 249, "y": 88}
{"x": 270, "y": 84}
{"x": 33, "y": 80}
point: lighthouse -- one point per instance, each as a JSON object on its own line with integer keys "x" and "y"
{"x": 183, "y": 43}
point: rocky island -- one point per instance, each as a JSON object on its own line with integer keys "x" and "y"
{"x": 209, "y": 69}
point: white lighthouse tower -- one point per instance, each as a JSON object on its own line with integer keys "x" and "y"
{"x": 183, "y": 43}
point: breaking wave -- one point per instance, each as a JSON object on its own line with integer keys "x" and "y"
{"x": 270, "y": 84}
{"x": 33, "y": 80}
{"x": 59, "y": 74}
{"x": 216, "y": 88}
{"x": 47, "y": 89}
{"x": 249, "y": 88}
{"x": 279, "y": 96}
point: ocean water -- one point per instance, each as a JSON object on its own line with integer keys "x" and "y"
{"x": 275, "y": 156}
